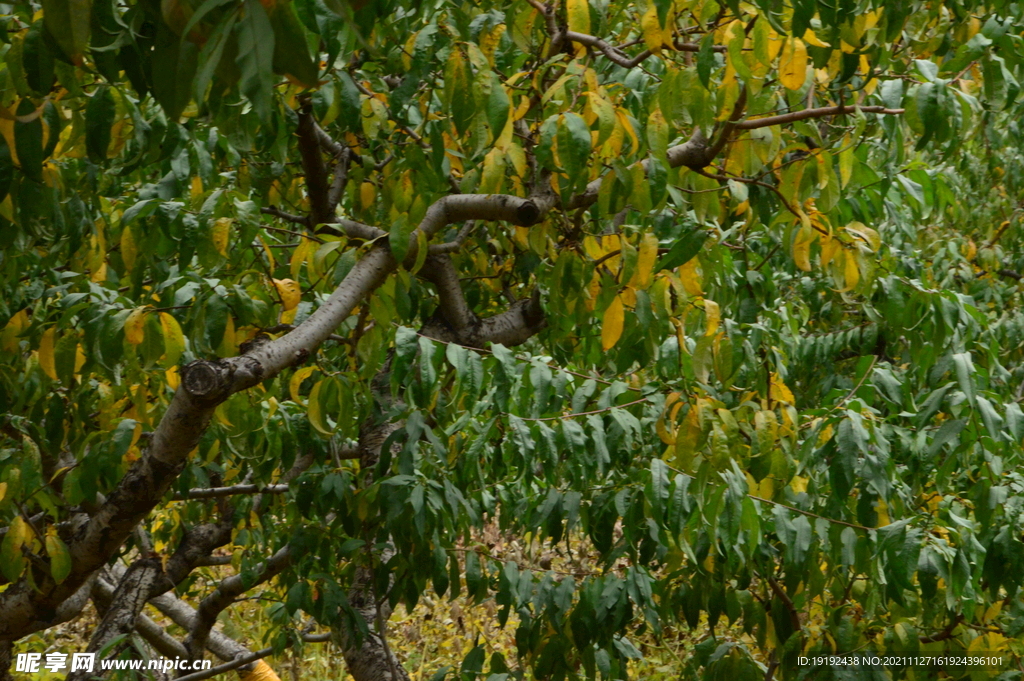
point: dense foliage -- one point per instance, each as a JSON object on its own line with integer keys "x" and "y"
{"x": 761, "y": 260}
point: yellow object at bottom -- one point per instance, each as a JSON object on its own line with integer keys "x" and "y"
{"x": 261, "y": 672}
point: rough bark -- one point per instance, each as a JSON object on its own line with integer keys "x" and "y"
{"x": 370, "y": 658}
{"x": 224, "y": 595}
{"x": 204, "y": 384}
{"x": 149, "y": 577}
{"x": 456, "y": 323}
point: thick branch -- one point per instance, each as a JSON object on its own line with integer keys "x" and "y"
{"x": 164, "y": 643}
{"x": 182, "y": 614}
{"x": 225, "y": 594}
{"x": 93, "y": 539}
{"x": 456, "y": 323}
{"x": 313, "y": 164}
{"x": 150, "y": 576}
{"x": 340, "y": 178}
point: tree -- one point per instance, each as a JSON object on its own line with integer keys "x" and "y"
{"x": 264, "y": 263}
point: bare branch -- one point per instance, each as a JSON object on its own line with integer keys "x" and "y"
{"x": 613, "y": 53}
{"x": 821, "y": 112}
{"x": 225, "y": 594}
{"x": 456, "y": 323}
{"x": 456, "y": 243}
{"x": 313, "y": 164}
{"x": 730, "y": 125}
{"x": 340, "y": 178}
{"x": 164, "y": 643}
{"x": 182, "y": 614}
{"x": 93, "y": 539}
{"x": 289, "y": 217}
{"x": 212, "y": 492}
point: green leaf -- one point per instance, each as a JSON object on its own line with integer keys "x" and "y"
{"x": 12, "y": 562}
{"x": 210, "y": 55}
{"x": 947, "y": 432}
{"x": 6, "y": 168}
{"x": 99, "y": 119}
{"x": 37, "y": 60}
{"x": 498, "y": 107}
{"x": 350, "y": 104}
{"x": 256, "y": 57}
{"x": 28, "y": 141}
{"x": 200, "y": 14}
{"x": 706, "y": 59}
{"x": 683, "y": 250}
{"x": 54, "y": 124}
{"x": 991, "y": 418}
{"x": 965, "y": 374}
{"x": 175, "y": 61}
{"x": 399, "y": 237}
{"x": 69, "y": 22}
{"x": 291, "y": 55}
{"x": 574, "y": 146}
{"x": 60, "y": 558}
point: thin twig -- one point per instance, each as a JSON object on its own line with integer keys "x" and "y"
{"x": 582, "y": 413}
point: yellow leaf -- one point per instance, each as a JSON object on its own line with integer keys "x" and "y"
{"x": 46, "y": 345}
{"x": 367, "y": 193}
{"x": 579, "y": 15}
{"x": 601, "y": 246}
{"x": 221, "y": 234}
{"x": 300, "y": 256}
{"x": 871, "y": 237}
{"x": 653, "y": 35}
{"x": 847, "y": 158}
{"x": 690, "y": 278}
{"x": 646, "y": 257}
{"x": 802, "y": 246}
{"x": 851, "y": 274}
{"x": 172, "y": 377}
{"x": 611, "y": 327}
{"x": 793, "y": 64}
{"x": 882, "y": 509}
{"x": 228, "y": 344}
{"x": 134, "y": 326}
{"x": 713, "y": 313}
{"x": 174, "y": 340}
{"x": 79, "y": 358}
{"x": 489, "y": 40}
{"x": 3, "y": 490}
{"x": 666, "y": 431}
{"x": 129, "y": 249}
{"x": 270, "y": 254}
{"x": 60, "y": 557}
{"x": 493, "y": 173}
{"x": 410, "y": 46}
{"x": 623, "y": 117}
{"x": 290, "y": 293}
{"x": 196, "y": 190}
{"x": 296, "y": 383}
{"x": 829, "y": 247}
{"x": 315, "y": 409}
{"x": 657, "y": 133}
{"x": 779, "y": 392}
{"x": 812, "y": 39}
{"x": 9, "y": 336}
